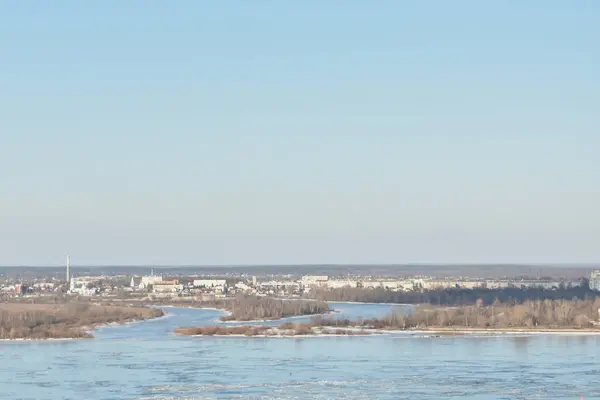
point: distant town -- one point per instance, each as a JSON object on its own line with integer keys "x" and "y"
{"x": 210, "y": 286}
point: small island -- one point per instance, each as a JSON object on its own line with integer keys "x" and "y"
{"x": 255, "y": 308}
{"x": 529, "y": 316}
{"x": 66, "y": 320}
{"x": 287, "y": 329}
{"x": 246, "y": 307}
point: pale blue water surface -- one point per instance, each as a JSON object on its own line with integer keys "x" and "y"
{"x": 146, "y": 361}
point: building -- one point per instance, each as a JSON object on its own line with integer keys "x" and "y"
{"x": 242, "y": 286}
{"x": 213, "y": 284}
{"x": 149, "y": 280}
{"x": 135, "y": 282}
{"x": 595, "y": 280}
{"x": 371, "y": 284}
{"x": 44, "y": 286}
{"x": 84, "y": 286}
{"x": 164, "y": 287}
{"x": 312, "y": 280}
{"x": 15, "y": 289}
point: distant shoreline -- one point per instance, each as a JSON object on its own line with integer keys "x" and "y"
{"x": 276, "y": 332}
{"x": 368, "y": 303}
{"x": 540, "y": 331}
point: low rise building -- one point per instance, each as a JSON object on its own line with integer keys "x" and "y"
{"x": 313, "y": 280}
{"x": 164, "y": 287}
{"x": 594, "y": 282}
{"x": 83, "y": 286}
{"x": 149, "y": 280}
{"x": 243, "y": 287}
{"x": 371, "y": 284}
{"x": 210, "y": 283}
{"x": 16, "y": 289}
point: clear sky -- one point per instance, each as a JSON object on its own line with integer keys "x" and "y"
{"x": 250, "y": 132}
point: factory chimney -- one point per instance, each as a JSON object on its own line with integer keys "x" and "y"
{"x": 68, "y": 268}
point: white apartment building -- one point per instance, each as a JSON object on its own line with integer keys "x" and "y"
{"x": 595, "y": 280}
{"x": 149, "y": 280}
{"x": 166, "y": 287}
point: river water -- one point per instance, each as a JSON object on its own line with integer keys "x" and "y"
{"x": 146, "y": 361}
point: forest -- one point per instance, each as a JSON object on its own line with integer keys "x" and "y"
{"x": 70, "y": 320}
{"x": 453, "y": 297}
{"x": 248, "y": 308}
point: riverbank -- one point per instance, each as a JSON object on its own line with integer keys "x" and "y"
{"x": 316, "y": 331}
{"x": 508, "y": 331}
{"x": 284, "y": 330}
{"x": 369, "y": 303}
{"x": 65, "y": 321}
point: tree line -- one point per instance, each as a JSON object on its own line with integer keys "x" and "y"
{"x": 453, "y": 297}
{"x": 248, "y": 308}
{"x": 559, "y": 314}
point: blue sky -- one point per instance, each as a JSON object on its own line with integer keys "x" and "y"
{"x": 238, "y": 132}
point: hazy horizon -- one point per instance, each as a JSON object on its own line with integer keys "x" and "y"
{"x": 340, "y": 265}
{"x": 299, "y": 133}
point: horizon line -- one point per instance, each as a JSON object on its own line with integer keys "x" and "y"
{"x": 409, "y": 264}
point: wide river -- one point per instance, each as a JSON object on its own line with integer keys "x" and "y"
{"x": 146, "y": 361}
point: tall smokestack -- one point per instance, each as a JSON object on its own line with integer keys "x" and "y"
{"x": 68, "y": 268}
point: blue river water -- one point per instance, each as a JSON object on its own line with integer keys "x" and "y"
{"x": 146, "y": 361}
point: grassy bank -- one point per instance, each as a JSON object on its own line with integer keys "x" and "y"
{"x": 64, "y": 321}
